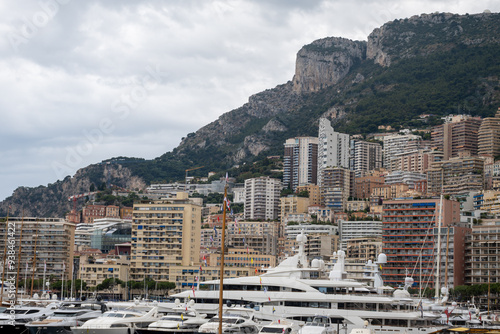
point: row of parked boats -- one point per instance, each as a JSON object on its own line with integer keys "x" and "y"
{"x": 94, "y": 317}
{"x": 297, "y": 296}
{"x": 142, "y": 317}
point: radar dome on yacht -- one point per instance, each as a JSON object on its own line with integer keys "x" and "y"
{"x": 409, "y": 281}
{"x": 191, "y": 302}
{"x": 54, "y": 296}
{"x": 177, "y": 301}
{"x": 301, "y": 238}
{"x": 401, "y": 294}
{"x": 444, "y": 290}
{"x": 369, "y": 262}
{"x": 315, "y": 263}
{"x": 321, "y": 264}
{"x": 382, "y": 258}
{"x": 35, "y": 296}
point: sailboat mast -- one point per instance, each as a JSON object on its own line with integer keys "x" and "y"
{"x": 222, "y": 246}
{"x": 438, "y": 262}
{"x": 447, "y": 253}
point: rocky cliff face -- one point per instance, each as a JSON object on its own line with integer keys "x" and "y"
{"x": 257, "y": 114}
{"x": 427, "y": 33}
{"x": 52, "y": 200}
{"x": 325, "y": 62}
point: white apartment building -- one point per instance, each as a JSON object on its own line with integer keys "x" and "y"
{"x": 333, "y": 148}
{"x": 396, "y": 144}
{"x": 291, "y": 231}
{"x": 405, "y": 177}
{"x": 358, "y": 229}
{"x": 262, "y": 198}
{"x": 300, "y": 162}
{"x": 365, "y": 156}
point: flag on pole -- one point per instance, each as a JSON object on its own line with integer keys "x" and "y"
{"x": 215, "y": 230}
{"x": 274, "y": 310}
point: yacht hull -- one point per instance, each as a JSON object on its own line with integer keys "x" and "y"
{"x": 122, "y": 330}
{"x": 14, "y": 329}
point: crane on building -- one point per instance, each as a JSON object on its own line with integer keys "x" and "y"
{"x": 75, "y": 197}
{"x": 188, "y": 170}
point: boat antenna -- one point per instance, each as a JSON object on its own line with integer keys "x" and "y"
{"x": 222, "y": 246}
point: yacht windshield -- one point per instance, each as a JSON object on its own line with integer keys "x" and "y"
{"x": 16, "y": 311}
{"x": 271, "y": 330}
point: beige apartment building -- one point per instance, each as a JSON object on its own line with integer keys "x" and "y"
{"x": 165, "y": 234}
{"x": 94, "y": 271}
{"x": 51, "y": 238}
{"x": 456, "y": 175}
{"x": 244, "y": 258}
{"x": 489, "y": 135}
{"x": 314, "y": 193}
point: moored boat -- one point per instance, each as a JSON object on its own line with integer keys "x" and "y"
{"x": 117, "y": 322}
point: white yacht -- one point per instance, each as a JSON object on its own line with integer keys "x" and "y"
{"x": 117, "y": 322}
{"x": 282, "y": 326}
{"x": 234, "y": 320}
{"x": 299, "y": 290}
{"x": 13, "y": 320}
{"x": 69, "y": 314}
{"x": 182, "y": 319}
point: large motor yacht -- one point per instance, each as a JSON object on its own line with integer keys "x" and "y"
{"x": 298, "y": 290}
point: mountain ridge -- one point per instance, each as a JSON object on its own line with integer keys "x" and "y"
{"x": 389, "y": 78}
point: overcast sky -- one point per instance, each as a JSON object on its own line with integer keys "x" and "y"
{"x": 83, "y": 81}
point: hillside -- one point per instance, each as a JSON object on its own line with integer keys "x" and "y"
{"x": 434, "y": 64}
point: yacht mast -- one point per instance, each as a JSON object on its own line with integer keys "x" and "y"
{"x": 438, "y": 261}
{"x": 222, "y": 246}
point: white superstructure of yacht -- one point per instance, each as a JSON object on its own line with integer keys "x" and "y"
{"x": 295, "y": 289}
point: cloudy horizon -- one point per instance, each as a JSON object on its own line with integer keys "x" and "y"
{"x": 85, "y": 81}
